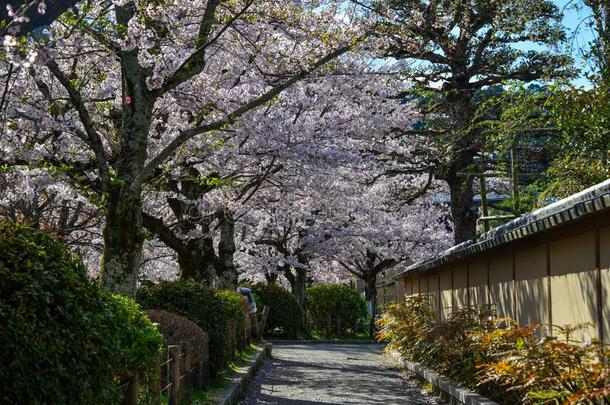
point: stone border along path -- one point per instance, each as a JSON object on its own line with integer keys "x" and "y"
{"x": 308, "y": 374}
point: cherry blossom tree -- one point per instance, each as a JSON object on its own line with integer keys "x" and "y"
{"x": 343, "y": 206}
{"x": 35, "y": 198}
{"x": 118, "y": 90}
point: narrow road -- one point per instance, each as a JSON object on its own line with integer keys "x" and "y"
{"x": 307, "y": 374}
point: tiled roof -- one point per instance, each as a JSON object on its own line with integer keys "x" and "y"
{"x": 592, "y": 200}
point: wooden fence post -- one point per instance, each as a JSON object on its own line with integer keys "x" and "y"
{"x": 174, "y": 375}
{"x": 338, "y": 325}
{"x": 131, "y": 394}
{"x": 188, "y": 376}
{"x": 204, "y": 365}
{"x": 232, "y": 338}
{"x": 254, "y": 326}
{"x": 247, "y": 331}
{"x": 263, "y": 321}
{"x": 157, "y": 386}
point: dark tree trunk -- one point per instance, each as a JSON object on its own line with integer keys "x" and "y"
{"x": 225, "y": 266}
{"x": 463, "y": 151}
{"x": 298, "y": 288}
{"x": 123, "y": 233}
{"x": 289, "y": 276}
{"x": 370, "y": 294}
{"x": 463, "y": 210}
{"x": 196, "y": 260}
{"x": 271, "y": 278}
{"x": 123, "y": 239}
{"x": 196, "y": 257}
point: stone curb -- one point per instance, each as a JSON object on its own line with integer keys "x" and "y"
{"x": 461, "y": 394}
{"x": 239, "y": 386}
{"x": 339, "y": 342}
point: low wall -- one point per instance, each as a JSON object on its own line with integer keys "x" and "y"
{"x": 560, "y": 277}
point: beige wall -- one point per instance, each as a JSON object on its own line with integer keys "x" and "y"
{"x": 501, "y": 285}
{"x": 531, "y": 286}
{"x": 446, "y": 300}
{"x": 460, "y": 286}
{"x": 400, "y": 290}
{"x": 477, "y": 283}
{"x": 573, "y": 283}
{"x": 408, "y": 286}
{"x": 604, "y": 243}
{"x": 555, "y": 282}
{"x": 435, "y": 297}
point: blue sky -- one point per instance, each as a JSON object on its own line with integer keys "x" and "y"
{"x": 579, "y": 33}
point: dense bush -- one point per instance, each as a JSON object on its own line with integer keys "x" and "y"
{"x": 285, "y": 313}
{"x": 337, "y": 307}
{"x": 237, "y": 308}
{"x": 507, "y": 363}
{"x": 196, "y": 302}
{"x": 63, "y": 339}
{"x": 177, "y": 329}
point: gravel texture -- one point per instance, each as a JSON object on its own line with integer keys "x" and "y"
{"x": 308, "y": 374}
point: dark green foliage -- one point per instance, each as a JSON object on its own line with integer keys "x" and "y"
{"x": 285, "y": 312}
{"x": 341, "y": 304}
{"x": 196, "y": 302}
{"x": 63, "y": 339}
{"x": 237, "y": 308}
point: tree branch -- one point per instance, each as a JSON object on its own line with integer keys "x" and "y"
{"x": 94, "y": 140}
{"x": 184, "y": 136}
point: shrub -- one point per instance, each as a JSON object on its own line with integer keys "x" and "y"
{"x": 285, "y": 312}
{"x": 177, "y": 329}
{"x": 548, "y": 370}
{"x": 237, "y": 308}
{"x": 63, "y": 338}
{"x": 339, "y": 304}
{"x": 507, "y": 363}
{"x": 196, "y": 302}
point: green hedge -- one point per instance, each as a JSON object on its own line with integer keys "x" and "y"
{"x": 63, "y": 339}
{"x": 342, "y": 305}
{"x": 237, "y": 308}
{"x": 196, "y": 302}
{"x": 285, "y": 313}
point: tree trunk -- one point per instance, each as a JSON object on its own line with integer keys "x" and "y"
{"x": 196, "y": 257}
{"x": 225, "y": 267}
{"x": 123, "y": 233}
{"x": 370, "y": 294}
{"x": 123, "y": 239}
{"x": 196, "y": 261}
{"x": 463, "y": 210}
{"x": 298, "y": 288}
{"x": 289, "y": 276}
{"x": 463, "y": 150}
{"x": 271, "y": 277}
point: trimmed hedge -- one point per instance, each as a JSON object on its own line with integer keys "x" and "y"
{"x": 196, "y": 302}
{"x": 177, "y": 329}
{"x": 63, "y": 338}
{"x": 285, "y": 312}
{"x": 340, "y": 304}
{"x": 237, "y": 307}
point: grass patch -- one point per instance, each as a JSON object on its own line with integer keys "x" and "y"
{"x": 210, "y": 394}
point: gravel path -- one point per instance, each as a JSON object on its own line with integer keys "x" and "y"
{"x": 307, "y": 374}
